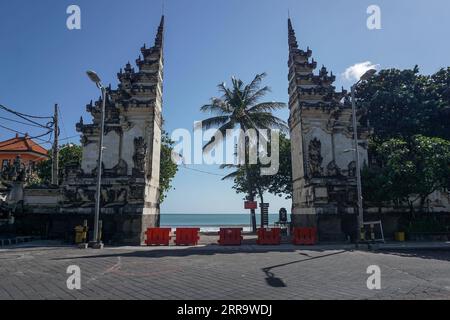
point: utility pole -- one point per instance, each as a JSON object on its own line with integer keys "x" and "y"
{"x": 55, "y": 153}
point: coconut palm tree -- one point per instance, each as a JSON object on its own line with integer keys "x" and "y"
{"x": 240, "y": 107}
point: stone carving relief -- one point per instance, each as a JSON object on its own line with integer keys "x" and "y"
{"x": 94, "y": 171}
{"x": 315, "y": 158}
{"x": 333, "y": 170}
{"x": 112, "y": 196}
{"x": 82, "y": 195}
{"x": 15, "y": 171}
{"x": 136, "y": 192}
{"x": 79, "y": 195}
{"x": 115, "y": 128}
{"x": 119, "y": 170}
{"x": 140, "y": 148}
{"x": 85, "y": 141}
{"x": 352, "y": 169}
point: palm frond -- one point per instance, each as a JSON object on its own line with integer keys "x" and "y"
{"x": 223, "y": 130}
{"x": 267, "y": 120}
{"x": 231, "y": 175}
{"x": 255, "y": 84}
{"x": 217, "y": 106}
{"x": 228, "y": 166}
{"x": 267, "y": 107}
{"x": 215, "y": 122}
{"x": 254, "y": 97}
{"x": 227, "y": 94}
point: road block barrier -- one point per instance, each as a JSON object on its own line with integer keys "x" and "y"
{"x": 187, "y": 236}
{"x": 230, "y": 236}
{"x": 158, "y": 236}
{"x": 269, "y": 236}
{"x": 304, "y": 236}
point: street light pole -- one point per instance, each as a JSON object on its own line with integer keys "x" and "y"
{"x": 360, "y": 224}
{"x": 96, "y": 241}
{"x": 360, "y": 221}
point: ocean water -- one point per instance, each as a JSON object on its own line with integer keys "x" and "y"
{"x": 212, "y": 222}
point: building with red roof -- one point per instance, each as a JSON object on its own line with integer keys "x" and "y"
{"x": 29, "y": 151}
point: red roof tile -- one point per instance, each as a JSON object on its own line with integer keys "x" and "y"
{"x": 22, "y": 144}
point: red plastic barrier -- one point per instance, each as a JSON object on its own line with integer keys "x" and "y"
{"x": 158, "y": 236}
{"x": 187, "y": 236}
{"x": 304, "y": 236}
{"x": 269, "y": 236}
{"x": 230, "y": 236}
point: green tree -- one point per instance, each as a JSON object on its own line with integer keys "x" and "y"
{"x": 68, "y": 154}
{"x": 410, "y": 117}
{"x": 240, "y": 107}
{"x": 404, "y": 103}
{"x": 168, "y": 168}
{"x": 411, "y": 170}
{"x": 281, "y": 183}
{"x": 248, "y": 180}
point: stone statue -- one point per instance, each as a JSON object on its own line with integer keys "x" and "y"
{"x": 333, "y": 170}
{"x": 121, "y": 169}
{"x": 315, "y": 158}
{"x": 352, "y": 169}
{"x": 139, "y": 154}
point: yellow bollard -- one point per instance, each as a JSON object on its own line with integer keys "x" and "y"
{"x": 399, "y": 236}
{"x": 79, "y": 234}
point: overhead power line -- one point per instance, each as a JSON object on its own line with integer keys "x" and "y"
{"x": 23, "y": 114}
{"x": 26, "y": 117}
{"x": 17, "y": 121}
{"x": 204, "y": 172}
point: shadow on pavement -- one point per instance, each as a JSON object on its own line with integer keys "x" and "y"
{"x": 208, "y": 250}
{"x": 273, "y": 281}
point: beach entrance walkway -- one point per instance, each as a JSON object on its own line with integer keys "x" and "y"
{"x": 39, "y": 271}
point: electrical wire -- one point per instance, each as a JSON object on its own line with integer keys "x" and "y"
{"x": 201, "y": 171}
{"x": 25, "y": 117}
{"x": 62, "y": 121}
{"x": 23, "y": 114}
{"x": 17, "y": 121}
{"x": 24, "y": 134}
{"x": 68, "y": 138}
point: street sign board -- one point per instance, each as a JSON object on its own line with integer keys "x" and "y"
{"x": 250, "y": 205}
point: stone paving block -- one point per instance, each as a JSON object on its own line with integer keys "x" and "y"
{"x": 136, "y": 273}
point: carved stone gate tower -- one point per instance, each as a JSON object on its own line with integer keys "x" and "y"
{"x": 324, "y": 182}
{"x": 131, "y": 165}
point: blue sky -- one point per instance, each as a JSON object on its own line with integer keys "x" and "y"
{"x": 207, "y": 42}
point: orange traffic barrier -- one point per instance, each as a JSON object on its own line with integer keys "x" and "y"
{"x": 187, "y": 236}
{"x": 269, "y": 236}
{"x": 230, "y": 236}
{"x": 304, "y": 236}
{"x": 158, "y": 236}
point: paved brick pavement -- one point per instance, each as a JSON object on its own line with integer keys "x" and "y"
{"x": 212, "y": 272}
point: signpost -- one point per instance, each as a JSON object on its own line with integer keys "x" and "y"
{"x": 250, "y": 205}
{"x": 264, "y": 214}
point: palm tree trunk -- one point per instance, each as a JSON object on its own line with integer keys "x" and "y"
{"x": 251, "y": 198}
{"x": 253, "y": 217}
{"x": 261, "y": 196}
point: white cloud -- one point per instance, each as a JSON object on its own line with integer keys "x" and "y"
{"x": 355, "y": 72}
